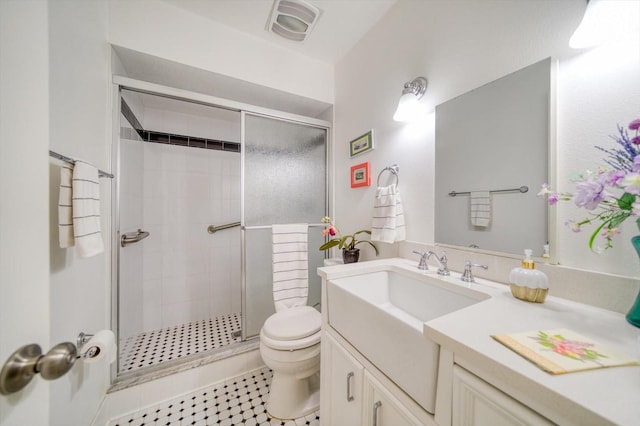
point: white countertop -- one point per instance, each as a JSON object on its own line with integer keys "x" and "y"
{"x": 593, "y": 397}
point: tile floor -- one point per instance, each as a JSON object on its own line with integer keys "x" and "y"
{"x": 155, "y": 346}
{"x": 234, "y": 402}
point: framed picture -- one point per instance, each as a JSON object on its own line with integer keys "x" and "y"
{"x": 360, "y": 175}
{"x": 361, "y": 144}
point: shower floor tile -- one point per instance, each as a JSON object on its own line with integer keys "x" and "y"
{"x": 234, "y": 402}
{"x": 156, "y": 346}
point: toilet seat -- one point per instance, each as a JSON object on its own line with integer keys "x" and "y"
{"x": 291, "y": 329}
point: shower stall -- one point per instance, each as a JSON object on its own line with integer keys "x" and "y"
{"x": 200, "y": 181}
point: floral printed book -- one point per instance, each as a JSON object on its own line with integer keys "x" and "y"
{"x": 563, "y": 351}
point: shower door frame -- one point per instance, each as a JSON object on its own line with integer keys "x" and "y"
{"x": 123, "y": 380}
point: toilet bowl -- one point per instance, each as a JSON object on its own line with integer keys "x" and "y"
{"x": 290, "y": 346}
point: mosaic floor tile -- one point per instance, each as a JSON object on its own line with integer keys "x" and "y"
{"x": 235, "y": 402}
{"x": 156, "y": 346}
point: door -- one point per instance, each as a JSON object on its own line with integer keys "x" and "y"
{"x": 284, "y": 180}
{"x": 345, "y": 375}
{"x": 24, "y": 191}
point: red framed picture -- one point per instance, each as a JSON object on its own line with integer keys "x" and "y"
{"x": 360, "y": 175}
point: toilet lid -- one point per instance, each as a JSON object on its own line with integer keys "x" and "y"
{"x": 293, "y": 323}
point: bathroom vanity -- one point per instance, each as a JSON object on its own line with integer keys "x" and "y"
{"x": 406, "y": 347}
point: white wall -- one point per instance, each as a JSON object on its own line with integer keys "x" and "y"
{"x": 80, "y": 127}
{"x": 459, "y": 46}
{"x": 160, "y": 29}
{"x": 24, "y": 227}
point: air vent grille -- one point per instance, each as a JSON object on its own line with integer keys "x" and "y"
{"x": 292, "y": 19}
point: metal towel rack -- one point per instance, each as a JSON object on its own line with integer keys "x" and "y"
{"x": 393, "y": 169}
{"x": 522, "y": 189}
{"x": 69, "y": 160}
{"x": 212, "y": 229}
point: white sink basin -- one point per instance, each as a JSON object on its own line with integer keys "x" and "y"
{"x": 381, "y": 314}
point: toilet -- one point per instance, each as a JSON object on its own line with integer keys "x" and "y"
{"x": 290, "y": 346}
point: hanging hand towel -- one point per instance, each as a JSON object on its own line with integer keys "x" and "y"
{"x": 290, "y": 265}
{"x": 86, "y": 210}
{"x": 388, "y": 215}
{"x": 65, "y": 212}
{"x": 480, "y": 208}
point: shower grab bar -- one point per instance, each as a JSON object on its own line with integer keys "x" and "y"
{"x": 212, "y": 229}
{"x": 314, "y": 225}
{"x": 133, "y": 237}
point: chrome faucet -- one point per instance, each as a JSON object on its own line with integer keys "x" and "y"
{"x": 441, "y": 261}
{"x": 423, "y": 266}
{"x": 467, "y": 275}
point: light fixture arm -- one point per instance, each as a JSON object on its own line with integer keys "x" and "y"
{"x": 417, "y": 86}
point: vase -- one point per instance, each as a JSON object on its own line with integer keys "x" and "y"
{"x": 633, "y": 316}
{"x": 350, "y": 256}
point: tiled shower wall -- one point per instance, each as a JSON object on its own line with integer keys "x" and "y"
{"x": 189, "y": 274}
{"x": 180, "y": 273}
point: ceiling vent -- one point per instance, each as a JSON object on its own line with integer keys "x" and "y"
{"x": 292, "y": 19}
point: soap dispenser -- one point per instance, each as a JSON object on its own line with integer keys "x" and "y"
{"x": 527, "y": 283}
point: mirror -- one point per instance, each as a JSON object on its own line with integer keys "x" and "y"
{"x": 491, "y": 142}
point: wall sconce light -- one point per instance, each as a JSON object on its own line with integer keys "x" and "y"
{"x": 605, "y": 21}
{"x": 409, "y": 107}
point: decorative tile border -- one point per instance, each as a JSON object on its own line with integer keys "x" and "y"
{"x": 175, "y": 139}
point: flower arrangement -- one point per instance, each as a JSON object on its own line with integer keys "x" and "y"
{"x": 347, "y": 242}
{"x": 610, "y": 194}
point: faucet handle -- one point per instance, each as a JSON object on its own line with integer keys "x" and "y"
{"x": 443, "y": 269}
{"x": 467, "y": 275}
{"x": 423, "y": 266}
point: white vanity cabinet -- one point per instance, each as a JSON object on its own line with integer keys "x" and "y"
{"x": 477, "y": 403}
{"x": 345, "y": 381}
{"x": 353, "y": 396}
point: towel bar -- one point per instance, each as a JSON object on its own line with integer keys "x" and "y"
{"x": 394, "y": 169}
{"x": 522, "y": 189}
{"x": 66, "y": 159}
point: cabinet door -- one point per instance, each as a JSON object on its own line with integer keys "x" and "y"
{"x": 477, "y": 403}
{"x": 382, "y": 408}
{"x": 346, "y": 375}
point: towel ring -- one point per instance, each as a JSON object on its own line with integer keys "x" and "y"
{"x": 394, "y": 169}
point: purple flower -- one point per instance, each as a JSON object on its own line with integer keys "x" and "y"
{"x": 589, "y": 194}
{"x": 635, "y": 124}
{"x": 575, "y": 227}
{"x": 631, "y": 183}
{"x": 552, "y": 199}
{"x": 612, "y": 177}
{"x": 635, "y": 140}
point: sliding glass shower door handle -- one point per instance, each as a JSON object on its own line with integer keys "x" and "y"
{"x": 133, "y": 237}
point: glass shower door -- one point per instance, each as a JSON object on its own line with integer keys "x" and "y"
{"x": 284, "y": 181}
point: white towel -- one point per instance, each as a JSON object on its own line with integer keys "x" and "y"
{"x": 480, "y": 208}
{"x": 65, "y": 212}
{"x": 290, "y": 265}
{"x": 388, "y": 215}
{"x": 86, "y": 210}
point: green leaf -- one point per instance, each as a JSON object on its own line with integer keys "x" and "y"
{"x": 370, "y": 243}
{"x": 595, "y": 234}
{"x": 626, "y": 201}
{"x": 329, "y": 244}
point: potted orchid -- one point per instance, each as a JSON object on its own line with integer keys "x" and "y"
{"x": 611, "y": 195}
{"x": 348, "y": 243}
